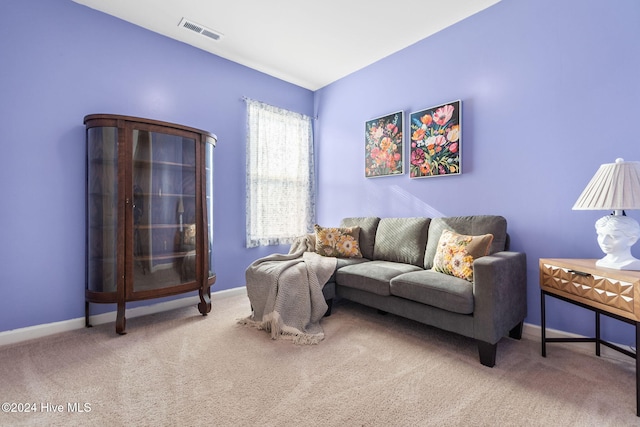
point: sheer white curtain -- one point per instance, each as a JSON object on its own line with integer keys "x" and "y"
{"x": 280, "y": 202}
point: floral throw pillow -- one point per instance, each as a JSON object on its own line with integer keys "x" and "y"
{"x": 456, "y": 253}
{"x": 338, "y": 242}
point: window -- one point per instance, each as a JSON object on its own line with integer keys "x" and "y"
{"x": 280, "y": 202}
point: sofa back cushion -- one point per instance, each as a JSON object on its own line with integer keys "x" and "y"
{"x": 469, "y": 225}
{"x": 401, "y": 240}
{"x": 368, "y": 227}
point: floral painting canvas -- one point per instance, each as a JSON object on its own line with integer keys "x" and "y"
{"x": 436, "y": 141}
{"x": 384, "y": 154}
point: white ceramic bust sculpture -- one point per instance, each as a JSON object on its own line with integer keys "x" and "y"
{"x": 616, "y": 235}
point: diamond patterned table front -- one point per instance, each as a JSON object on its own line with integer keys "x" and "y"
{"x": 614, "y": 293}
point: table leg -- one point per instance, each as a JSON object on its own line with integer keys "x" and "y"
{"x": 543, "y": 325}
{"x": 597, "y": 333}
{"x": 637, "y": 370}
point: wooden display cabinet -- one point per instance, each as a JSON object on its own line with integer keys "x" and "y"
{"x": 149, "y": 212}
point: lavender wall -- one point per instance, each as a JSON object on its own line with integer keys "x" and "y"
{"x": 549, "y": 91}
{"x": 62, "y": 61}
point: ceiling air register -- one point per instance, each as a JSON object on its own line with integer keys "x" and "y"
{"x": 200, "y": 29}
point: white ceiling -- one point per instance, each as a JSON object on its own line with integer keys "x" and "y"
{"x": 310, "y": 44}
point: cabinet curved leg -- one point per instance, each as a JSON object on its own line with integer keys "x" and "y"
{"x": 205, "y": 301}
{"x": 121, "y": 321}
{"x": 87, "y": 321}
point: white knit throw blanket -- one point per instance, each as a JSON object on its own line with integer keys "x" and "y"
{"x": 285, "y": 292}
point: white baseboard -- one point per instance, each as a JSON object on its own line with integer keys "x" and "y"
{"x": 38, "y": 331}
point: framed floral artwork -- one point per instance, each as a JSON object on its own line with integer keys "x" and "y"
{"x": 436, "y": 141}
{"x": 384, "y": 153}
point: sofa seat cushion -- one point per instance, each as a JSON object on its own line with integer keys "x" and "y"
{"x": 343, "y": 262}
{"x": 373, "y": 276}
{"x": 435, "y": 289}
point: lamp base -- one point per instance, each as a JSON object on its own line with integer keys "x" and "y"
{"x": 616, "y": 234}
{"x": 633, "y": 264}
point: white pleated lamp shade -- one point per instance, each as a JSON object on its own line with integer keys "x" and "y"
{"x": 615, "y": 186}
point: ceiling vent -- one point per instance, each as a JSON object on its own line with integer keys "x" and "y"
{"x": 200, "y": 29}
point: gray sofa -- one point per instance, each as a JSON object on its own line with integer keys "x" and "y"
{"x": 395, "y": 275}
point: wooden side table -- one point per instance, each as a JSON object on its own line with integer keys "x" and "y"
{"x": 614, "y": 293}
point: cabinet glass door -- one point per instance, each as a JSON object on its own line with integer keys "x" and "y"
{"x": 102, "y": 209}
{"x": 209, "y": 146}
{"x": 163, "y": 210}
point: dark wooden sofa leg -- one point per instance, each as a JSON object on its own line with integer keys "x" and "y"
{"x": 487, "y": 353}
{"x": 329, "y": 305}
{"x": 516, "y": 332}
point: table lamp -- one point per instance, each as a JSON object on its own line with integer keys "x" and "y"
{"x": 615, "y": 186}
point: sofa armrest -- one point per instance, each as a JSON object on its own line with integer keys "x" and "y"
{"x": 500, "y": 294}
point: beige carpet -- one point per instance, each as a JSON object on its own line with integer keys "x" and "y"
{"x": 181, "y": 369}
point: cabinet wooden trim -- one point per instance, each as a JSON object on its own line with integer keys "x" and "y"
{"x": 148, "y": 229}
